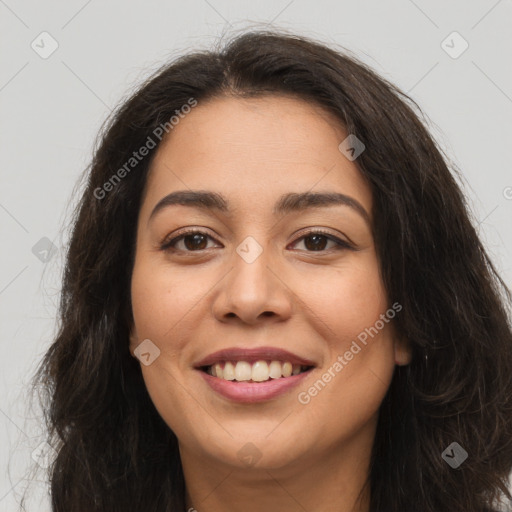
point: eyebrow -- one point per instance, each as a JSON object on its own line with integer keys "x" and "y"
{"x": 287, "y": 203}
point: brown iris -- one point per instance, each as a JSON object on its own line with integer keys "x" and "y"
{"x": 318, "y": 243}
{"x": 199, "y": 241}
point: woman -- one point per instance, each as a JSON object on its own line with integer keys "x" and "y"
{"x": 274, "y": 299}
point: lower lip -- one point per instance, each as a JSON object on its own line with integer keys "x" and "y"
{"x": 253, "y": 392}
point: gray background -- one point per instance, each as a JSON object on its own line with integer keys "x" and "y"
{"x": 51, "y": 110}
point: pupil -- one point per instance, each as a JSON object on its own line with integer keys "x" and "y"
{"x": 197, "y": 239}
{"x": 315, "y": 245}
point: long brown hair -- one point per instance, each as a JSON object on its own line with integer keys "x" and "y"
{"x": 115, "y": 453}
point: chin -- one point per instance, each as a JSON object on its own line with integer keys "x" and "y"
{"x": 258, "y": 451}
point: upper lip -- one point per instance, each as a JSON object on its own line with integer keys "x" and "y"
{"x": 252, "y": 355}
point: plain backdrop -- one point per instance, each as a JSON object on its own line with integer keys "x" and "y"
{"x": 53, "y": 104}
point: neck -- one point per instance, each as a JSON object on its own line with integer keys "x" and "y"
{"x": 333, "y": 480}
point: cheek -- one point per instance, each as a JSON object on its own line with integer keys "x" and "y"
{"x": 345, "y": 300}
{"x": 347, "y": 309}
{"x": 163, "y": 309}
{"x": 162, "y": 299}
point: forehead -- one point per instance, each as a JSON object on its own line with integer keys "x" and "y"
{"x": 255, "y": 149}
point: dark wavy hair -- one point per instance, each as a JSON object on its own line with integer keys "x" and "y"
{"x": 114, "y": 451}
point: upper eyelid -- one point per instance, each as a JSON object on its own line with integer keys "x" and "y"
{"x": 187, "y": 232}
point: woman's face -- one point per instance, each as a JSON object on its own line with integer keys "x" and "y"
{"x": 262, "y": 285}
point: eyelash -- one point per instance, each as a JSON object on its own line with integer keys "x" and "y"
{"x": 167, "y": 245}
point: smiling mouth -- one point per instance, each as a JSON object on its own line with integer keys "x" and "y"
{"x": 258, "y": 371}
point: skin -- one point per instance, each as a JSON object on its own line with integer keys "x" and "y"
{"x": 314, "y": 303}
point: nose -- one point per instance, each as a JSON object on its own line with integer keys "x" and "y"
{"x": 253, "y": 292}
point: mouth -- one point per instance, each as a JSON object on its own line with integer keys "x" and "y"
{"x": 259, "y": 371}
{"x": 253, "y": 375}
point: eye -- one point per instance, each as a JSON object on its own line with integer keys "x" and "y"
{"x": 196, "y": 240}
{"x": 317, "y": 241}
{"x": 188, "y": 241}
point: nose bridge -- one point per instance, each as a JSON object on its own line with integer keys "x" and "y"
{"x": 251, "y": 288}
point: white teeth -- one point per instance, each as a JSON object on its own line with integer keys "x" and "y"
{"x": 243, "y": 371}
{"x": 275, "y": 370}
{"x": 260, "y": 371}
{"x": 229, "y": 371}
{"x": 217, "y": 370}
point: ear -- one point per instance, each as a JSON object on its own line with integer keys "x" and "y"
{"x": 403, "y": 351}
